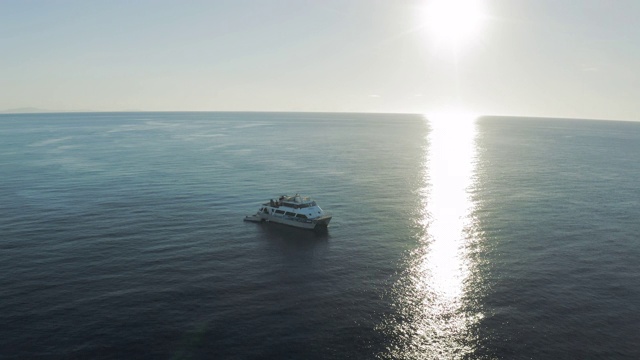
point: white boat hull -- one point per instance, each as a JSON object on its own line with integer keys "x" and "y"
{"x": 296, "y": 211}
{"x": 311, "y": 224}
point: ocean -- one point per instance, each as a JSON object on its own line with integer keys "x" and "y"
{"x": 122, "y": 236}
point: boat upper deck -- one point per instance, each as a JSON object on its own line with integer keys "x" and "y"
{"x": 295, "y": 202}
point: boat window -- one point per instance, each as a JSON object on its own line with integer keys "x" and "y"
{"x": 290, "y": 214}
{"x": 301, "y": 216}
{"x": 279, "y": 211}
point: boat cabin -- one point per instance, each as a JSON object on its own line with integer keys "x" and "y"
{"x": 292, "y": 207}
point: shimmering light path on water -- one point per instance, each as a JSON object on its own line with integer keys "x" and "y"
{"x": 431, "y": 294}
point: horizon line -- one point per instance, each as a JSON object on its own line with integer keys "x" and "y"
{"x": 31, "y": 110}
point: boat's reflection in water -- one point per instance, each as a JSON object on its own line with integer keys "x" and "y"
{"x": 291, "y": 238}
{"x": 433, "y": 319}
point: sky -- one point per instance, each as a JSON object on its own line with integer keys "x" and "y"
{"x": 550, "y": 58}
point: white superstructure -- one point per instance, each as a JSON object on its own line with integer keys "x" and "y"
{"x": 296, "y": 210}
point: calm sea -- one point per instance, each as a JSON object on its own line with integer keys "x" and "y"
{"x": 121, "y": 236}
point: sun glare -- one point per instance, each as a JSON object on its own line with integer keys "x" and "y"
{"x": 437, "y": 322}
{"x": 453, "y": 23}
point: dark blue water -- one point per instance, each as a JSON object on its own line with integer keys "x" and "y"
{"x": 121, "y": 236}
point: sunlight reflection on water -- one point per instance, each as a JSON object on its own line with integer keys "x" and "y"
{"x": 433, "y": 320}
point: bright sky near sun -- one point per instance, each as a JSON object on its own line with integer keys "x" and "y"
{"x": 569, "y": 58}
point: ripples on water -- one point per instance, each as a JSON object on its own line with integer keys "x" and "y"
{"x": 434, "y": 320}
{"x": 452, "y": 238}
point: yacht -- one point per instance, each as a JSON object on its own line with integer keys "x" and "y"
{"x": 298, "y": 211}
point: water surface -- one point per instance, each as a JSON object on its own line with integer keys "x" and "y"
{"x": 121, "y": 236}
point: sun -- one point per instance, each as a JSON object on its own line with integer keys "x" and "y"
{"x": 453, "y": 23}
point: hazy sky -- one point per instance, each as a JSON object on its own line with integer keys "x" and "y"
{"x": 565, "y": 58}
